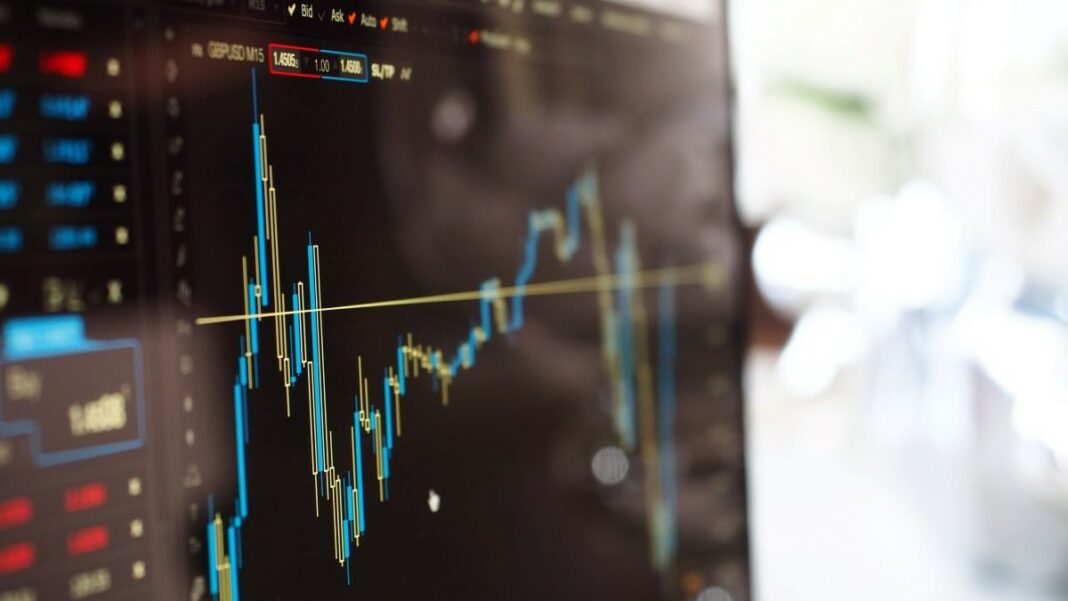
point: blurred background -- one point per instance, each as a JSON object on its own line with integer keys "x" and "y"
{"x": 903, "y": 173}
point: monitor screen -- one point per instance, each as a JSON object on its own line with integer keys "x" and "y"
{"x": 388, "y": 299}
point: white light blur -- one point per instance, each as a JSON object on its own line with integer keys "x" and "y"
{"x": 714, "y": 593}
{"x": 610, "y": 465}
{"x": 1039, "y": 416}
{"x": 794, "y": 264}
{"x": 821, "y": 344}
{"x": 453, "y": 116}
{"x": 1015, "y": 349}
{"x": 911, "y": 249}
{"x": 1061, "y": 307}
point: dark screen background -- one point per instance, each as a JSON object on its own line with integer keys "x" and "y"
{"x": 401, "y": 205}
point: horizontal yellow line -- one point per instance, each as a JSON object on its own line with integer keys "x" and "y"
{"x": 708, "y": 274}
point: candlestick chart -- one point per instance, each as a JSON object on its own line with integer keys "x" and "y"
{"x": 281, "y": 339}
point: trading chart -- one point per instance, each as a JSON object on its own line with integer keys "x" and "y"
{"x": 390, "y": 301}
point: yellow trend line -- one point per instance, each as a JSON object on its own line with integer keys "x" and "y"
{"x": 708, "y": 274}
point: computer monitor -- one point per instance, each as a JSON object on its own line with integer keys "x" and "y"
{"x": 382, "y": 300}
